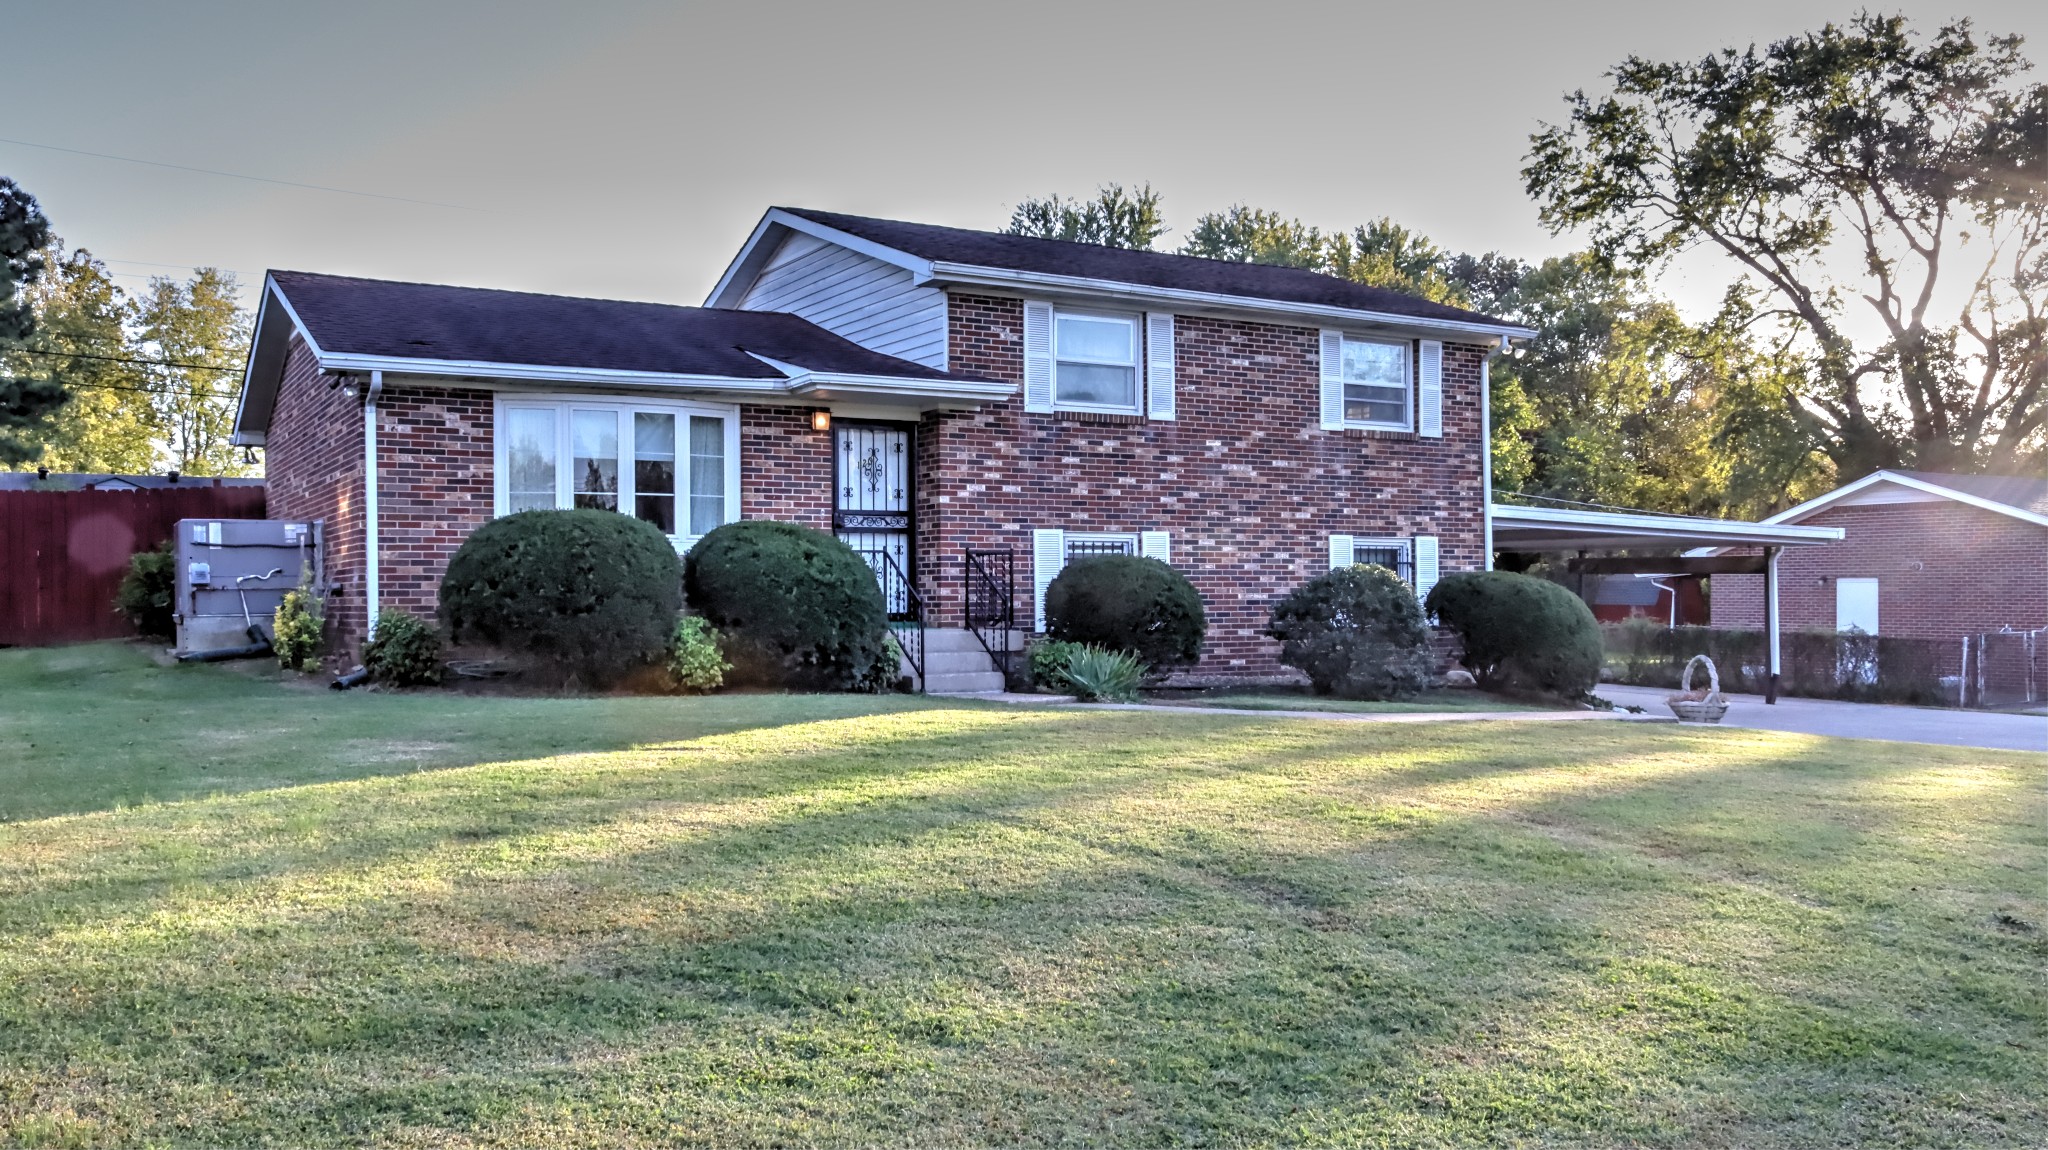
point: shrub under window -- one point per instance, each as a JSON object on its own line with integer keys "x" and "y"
{"x": 1125, "y": 603}
{"x": 590, "y": 594}
{"x": 1357, "y": 633}
{"x": 796, "y": 607}
{"x": 1520, "y": 631}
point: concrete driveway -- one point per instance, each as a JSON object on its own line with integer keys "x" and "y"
{"x": 1861, "y": 720}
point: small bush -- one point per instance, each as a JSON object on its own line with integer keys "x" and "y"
{"x": 295, "y": 629}
{"x": 1124, "y": 603}
{"x": 885, "y": 674}
{"x": 1520, "y": 631}
{"x": 1357, "y": 633}
{"x": 1103, "y": 676}
{"x": 797, "y": 608}
{"x": 148, "y": 592}
{"x": 1049, "y": 664}
{"x": 590, "y": 594}
{"x": 406, "y": 651}
{"x": 694, "y": 664}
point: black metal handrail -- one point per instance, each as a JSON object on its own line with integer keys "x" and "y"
{"x": 991, "y": 603}
{"x": 905, "y": 607}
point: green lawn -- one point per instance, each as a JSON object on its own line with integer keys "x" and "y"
{"x": 1302, "y": 699}
{"x": 237, "y": 912}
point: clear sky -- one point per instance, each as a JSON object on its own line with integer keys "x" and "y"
{"x": 624, "y": 149}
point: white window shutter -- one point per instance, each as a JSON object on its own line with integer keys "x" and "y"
{"x": 1425, "y": 566}
{"x": 1156, "y": 545}
{"x": 1430, "y": 401}
{"x": 1037, "y": 356}
{"x": 1341, "y": 554}
{"x": 1333, "y": 380}
{"x": 1159, "y": 365}
{"x": 1048, "y": 555}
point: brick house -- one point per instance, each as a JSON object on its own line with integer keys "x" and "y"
{"x": 927, "y": 393}
{"x": 1923, "y": 555}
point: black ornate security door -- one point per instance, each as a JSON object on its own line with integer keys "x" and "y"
{"x": 872, "y": 501}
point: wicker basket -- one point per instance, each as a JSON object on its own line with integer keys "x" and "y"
{"x": 1699, "y": 706}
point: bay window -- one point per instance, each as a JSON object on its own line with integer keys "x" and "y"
{"x": 673, "y": 465}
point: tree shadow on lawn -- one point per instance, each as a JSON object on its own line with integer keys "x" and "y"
{"x": 987, "y": 951}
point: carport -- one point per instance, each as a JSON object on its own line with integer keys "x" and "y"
{"x": 1652, "y": 541}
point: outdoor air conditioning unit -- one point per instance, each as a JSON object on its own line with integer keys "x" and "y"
{"x": 233, "y": 573}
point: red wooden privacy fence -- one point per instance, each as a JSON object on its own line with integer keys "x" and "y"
{"x": 62, "y": 553}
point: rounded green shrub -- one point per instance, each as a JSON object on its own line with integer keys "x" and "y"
{"x": 796, "y": 607}
{"x": 296, "y": 626}
{"x": 590, "y": 594}
{"x": 147, "y": 590}
{"x": 1520, "y": 631}
{"x": 694, "y": 663}
{"x": 1124, "y": 603}
{"x": 1049, "y": 665}
{"x": 406, "y": 651}
{"x": 1356, "y": 632}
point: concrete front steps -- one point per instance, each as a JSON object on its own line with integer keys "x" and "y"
{"x": 956, "y": 664}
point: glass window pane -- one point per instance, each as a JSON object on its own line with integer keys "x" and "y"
{"x": 594, "y": 459}
{"x": 530, "y": 459}
{"x": 1381, "y": 363}
{"x": 1085, "y": 337}
{"x": 654, "y": 469}
{"x": 707, "y": 473}
{"x": 1375, "y": 404}
{"x": 1097, "y": 384}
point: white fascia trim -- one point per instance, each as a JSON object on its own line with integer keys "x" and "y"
{"x": 1794, "y": 514}
{"x": 920, "y": 270}
{"x": 241, "y": 438}
{"x": 1139, "y": 294}
{"x": 1735, "y": 530}
{"x": 484, "y": 369}
{"x": 812, "y": 382}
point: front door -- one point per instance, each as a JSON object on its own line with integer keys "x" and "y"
{"x": 872, "y": 501}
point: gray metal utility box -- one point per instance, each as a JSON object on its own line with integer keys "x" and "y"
{"x": 234, "y": 572}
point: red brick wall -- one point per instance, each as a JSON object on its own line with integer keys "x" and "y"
{"x": 785, "y": 467}
{"x": 1245, "y": 479}
{"x": 1944, "y": 570}
{"x": 434, "y": 487}
{"x": 313, "y": 467}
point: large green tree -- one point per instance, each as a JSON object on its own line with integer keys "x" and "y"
{"x": 26, "y": 396}
{"x": 1114, "y": 218}
{"x": 1857, "y": 169}
{"x": 199, "y": 337}
{"x": 82, "y": 344}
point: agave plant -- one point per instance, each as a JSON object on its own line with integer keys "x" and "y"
{"x": 1101, "y": 676}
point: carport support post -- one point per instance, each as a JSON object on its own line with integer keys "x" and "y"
{"x": 1771, "y": 622}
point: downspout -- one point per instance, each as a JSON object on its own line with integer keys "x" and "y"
{"x": 370, "y": 500}
{"x": 1672, "y": 591}
{"x": 1486, "y": 453}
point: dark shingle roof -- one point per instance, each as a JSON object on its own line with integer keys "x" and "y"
{"x": 2026, "y": 492}
{"x": 347, "y": 315}
{"x": 1139, "y": 268}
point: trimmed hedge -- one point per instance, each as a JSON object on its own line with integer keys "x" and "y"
{"x": 795, "y": 607}
{"x": 1520, "y": 631}
{"x": 1124, "y": 603}
{"x": 1357, "y": 633}
{"x": 591, "y": 594}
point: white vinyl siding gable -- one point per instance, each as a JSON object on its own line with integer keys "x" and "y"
{"x": 875, "y": 304}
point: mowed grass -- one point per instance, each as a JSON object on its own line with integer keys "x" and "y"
{"x": 429, "y": 920}
{"x": 1302, "y": 699}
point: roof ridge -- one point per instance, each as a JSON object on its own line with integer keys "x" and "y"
{"x": 272, "y": 272}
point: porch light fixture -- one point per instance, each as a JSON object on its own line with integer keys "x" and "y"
{"x": 821, "y": 420}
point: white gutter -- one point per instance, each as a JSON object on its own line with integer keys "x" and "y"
{"x": 485, "y": 369}
{"x": 1015, "y": 280}
{"x": 370, "y": 499}
{"x": 1486, "y": 454}
{"x": 1653, "y": 526}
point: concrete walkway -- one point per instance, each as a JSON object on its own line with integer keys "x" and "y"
{"x": 1860, "y": 720}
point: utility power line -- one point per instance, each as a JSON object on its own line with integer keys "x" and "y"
{"x": 124, "y": 359}
{"x": 151, "y": 390}
{"x": 237, "y": 175}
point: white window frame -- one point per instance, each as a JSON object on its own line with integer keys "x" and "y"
{"x": 1407, "y": 423}
{"x": 563, "y": 405}
{"x": 1135, "y": 363}
{"x": 1128, "y": 538}
{"x": 1405, "y": 546}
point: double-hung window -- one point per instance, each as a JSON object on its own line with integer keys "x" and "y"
{"x": 674, "y": 465}
{"x": 1376, "y": 375}
{"x": 1391, "y": 554}
{"x": 1082, "y": 546}
{"x": 1095, "y": 361}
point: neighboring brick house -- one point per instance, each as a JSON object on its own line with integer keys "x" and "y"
{"x": 922, "y": 391}
{"x": 1923, "y": 555}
